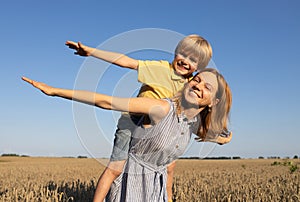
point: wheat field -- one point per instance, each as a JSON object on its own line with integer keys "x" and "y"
{"x": 75, "y": 179}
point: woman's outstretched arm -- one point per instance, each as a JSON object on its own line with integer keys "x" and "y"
{"x": 156, "y": 108}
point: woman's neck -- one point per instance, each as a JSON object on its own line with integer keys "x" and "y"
{"x": 190, "y": 110}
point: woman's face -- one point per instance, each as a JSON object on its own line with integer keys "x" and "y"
{"x": 201, "y": 90}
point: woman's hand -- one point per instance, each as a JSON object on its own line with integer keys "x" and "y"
{"x": 80, "y": 49}
{"x": 48, "y": 90}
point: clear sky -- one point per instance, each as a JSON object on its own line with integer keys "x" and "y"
{"x": 255, "y": 43}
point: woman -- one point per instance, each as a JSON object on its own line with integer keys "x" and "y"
{"x": 201, "y": 108}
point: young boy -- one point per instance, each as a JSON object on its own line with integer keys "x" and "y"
{"x": 160, "y": 80}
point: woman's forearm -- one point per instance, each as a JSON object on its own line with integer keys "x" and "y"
{"x": 101, "y": 100}
{"x": 87, "y": 97}
{"x": 155, "y": 108}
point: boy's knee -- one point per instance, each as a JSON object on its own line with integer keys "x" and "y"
{"x": 112, "y": 172}
{"x": 171, "y": 167}
{"x": 115, "y": 167}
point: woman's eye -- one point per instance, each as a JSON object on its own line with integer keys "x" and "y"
{"x": 197, "y": 80}
{"x": 208, "y": 87}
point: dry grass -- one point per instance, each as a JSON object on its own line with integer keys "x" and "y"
{"x": 73, "y": 179}
{"x": 236, "y": 180}
{"x": 48, "y": 179}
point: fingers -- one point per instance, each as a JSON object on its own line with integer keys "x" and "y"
{"x": 230, "y": 136}
{"x": 27, "y": 80}
{"x": 225, "y": 140}
{"x": 32, "y": 82}
{"x": 41, "y": 86}
{"x": 80, "y": 49}
{"x": 72, "y": 45}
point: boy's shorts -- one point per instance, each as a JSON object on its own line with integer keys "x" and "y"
{"x": 126, "y": 125}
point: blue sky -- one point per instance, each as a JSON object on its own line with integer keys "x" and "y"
{"x": 255, "y": 43}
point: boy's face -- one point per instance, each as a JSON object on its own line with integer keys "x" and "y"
{"x": 184, "y": 64}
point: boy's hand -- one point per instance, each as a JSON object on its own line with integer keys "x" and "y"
{"x": 221, "y": 139}
{"x": 81, "y": 49}
{"x": 48, "y": 90}
{"x": 224, "y": 140}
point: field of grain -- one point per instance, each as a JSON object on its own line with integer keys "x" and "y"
{"x": 74, "y": 179}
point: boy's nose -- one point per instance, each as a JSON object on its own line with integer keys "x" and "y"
{"x": 183, "y": 63}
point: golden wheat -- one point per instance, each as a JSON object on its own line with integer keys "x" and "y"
{"x": 74, "y": 179}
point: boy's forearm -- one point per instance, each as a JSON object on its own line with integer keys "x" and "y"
{"x": 111, "y": 57}
{"x": 114, "y": 58}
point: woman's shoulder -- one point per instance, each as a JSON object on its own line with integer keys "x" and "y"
{"x": 160, "y": 111}
{"x": 166, "y": 105}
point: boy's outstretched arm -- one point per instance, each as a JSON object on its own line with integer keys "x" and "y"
{"x": 111, "y": 57}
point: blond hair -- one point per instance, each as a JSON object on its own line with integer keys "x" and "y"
{"x": 195, "y": 44}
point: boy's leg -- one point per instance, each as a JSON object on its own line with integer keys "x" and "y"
{"x": 126, "y": 125}
{"x": 116, "y": 164}
{"x": 170, "y": 172}
{"x": 111, "y": 172}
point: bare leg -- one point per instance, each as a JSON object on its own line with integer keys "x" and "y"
{"x": 111, "y": 172}
{"x": 170, "y": 171}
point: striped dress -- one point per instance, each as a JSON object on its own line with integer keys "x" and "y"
{"x": 144, "y": 176}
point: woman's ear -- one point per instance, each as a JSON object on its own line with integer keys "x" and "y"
{"x": 213, "y": 103}
{"x": 216, "y": 102}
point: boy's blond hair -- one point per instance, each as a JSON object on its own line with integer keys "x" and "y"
{"x": 196, "y": 45}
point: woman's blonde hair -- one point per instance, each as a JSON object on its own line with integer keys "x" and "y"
{"x": 195, "y": 44}
{"x": 213, "y": 121}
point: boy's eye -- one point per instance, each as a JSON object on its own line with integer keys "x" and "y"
{"x": 193, "y": 60}
{"x": 183, "y": 55}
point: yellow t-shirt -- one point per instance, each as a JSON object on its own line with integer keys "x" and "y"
{"x": 159, "y": 79}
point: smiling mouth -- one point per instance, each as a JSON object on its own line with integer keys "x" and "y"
{"x": 196, "y": 94}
